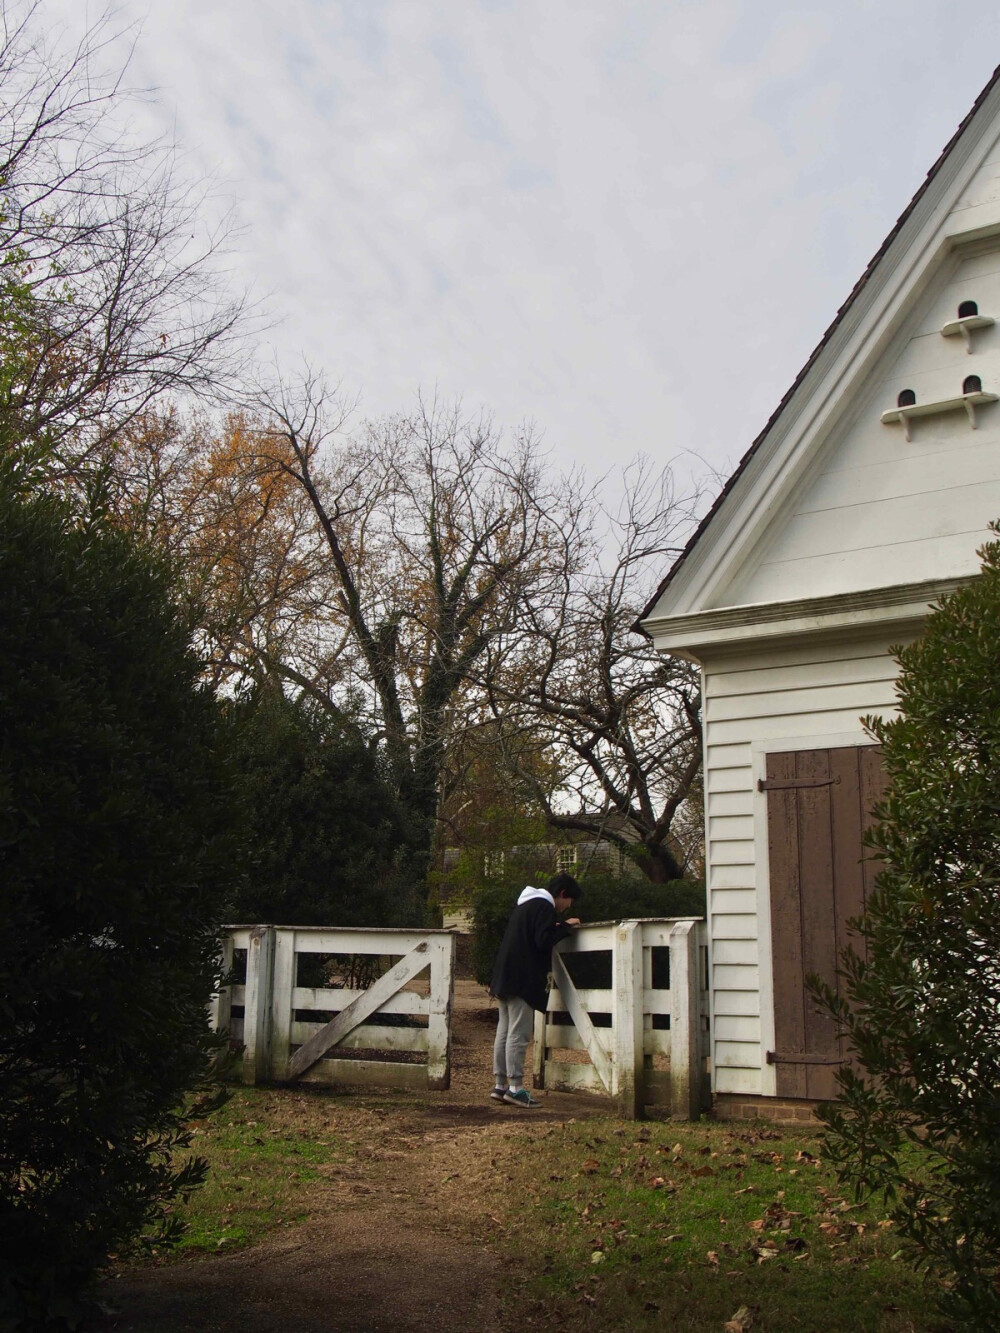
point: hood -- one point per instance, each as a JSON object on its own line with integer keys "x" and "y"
{"x": 529, "y": 893}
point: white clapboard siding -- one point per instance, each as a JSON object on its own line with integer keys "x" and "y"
{"x": 760, "y": 699}
{"x": 737, "y": 1028}
{"x": 746, "y": 1002}
{"x": 732, "y": 804}
{"x": 877, "y": 509}
{"x": 736, "y": 925}
{"x": 735, "y": 902}
{"x": 908, "y": 560}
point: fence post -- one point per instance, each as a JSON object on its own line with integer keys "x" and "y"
{"x": 442, "y": 986}
{"x": 257, "y": 1008}
{"x": 628, "y": 1062}
{"x": 685, "y": 1012}
{"x": 282, "y": 1002}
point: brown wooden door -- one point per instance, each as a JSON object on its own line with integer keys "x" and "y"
{"x": 818, "y": 806}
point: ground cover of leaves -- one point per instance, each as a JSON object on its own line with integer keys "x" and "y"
{"x": 397, "y": 1212}
{"x": 707, "y": 1227}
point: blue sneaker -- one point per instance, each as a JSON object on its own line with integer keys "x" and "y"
{"x": 520, "y": 1098}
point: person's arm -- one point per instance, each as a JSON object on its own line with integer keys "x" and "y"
{"x": 547, "y": 931}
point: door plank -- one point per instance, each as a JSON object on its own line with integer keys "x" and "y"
{"x": 786, "y": 923}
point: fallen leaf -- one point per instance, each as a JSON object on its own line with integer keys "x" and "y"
{"x": 598, "y": 1257}
{"x": 740, "y": 1322}
{"x": 590, "y": 1167}
{"x": 651, "y": 1305}
{"x": 713, "y": 1257}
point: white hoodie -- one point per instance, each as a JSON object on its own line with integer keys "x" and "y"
{"x": 528, "y": 893}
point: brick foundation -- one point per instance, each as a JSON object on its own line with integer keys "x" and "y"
{"x": 780, "y": 1111}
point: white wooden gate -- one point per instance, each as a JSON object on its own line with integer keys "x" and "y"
{"x": 638, "y": 1021}
{"x": 270, "y": 1013}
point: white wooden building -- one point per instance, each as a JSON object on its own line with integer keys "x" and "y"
{"x": 862, "y": 501}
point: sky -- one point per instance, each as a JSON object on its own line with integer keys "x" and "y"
{"x": 625, "y": 222}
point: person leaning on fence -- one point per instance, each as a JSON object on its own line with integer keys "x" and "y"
{"x": 520, "y": 977}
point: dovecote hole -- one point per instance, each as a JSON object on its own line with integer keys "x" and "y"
{"x": 907, "y": 398}
{"x": 972, "y": 384}
{"x": 967, "y": 308}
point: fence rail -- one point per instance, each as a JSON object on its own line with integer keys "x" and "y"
{"x": 639, "y": 1033}
{"x": 294, "y": 1032}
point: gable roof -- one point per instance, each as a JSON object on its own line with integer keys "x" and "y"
{"x": 817, "y": 351}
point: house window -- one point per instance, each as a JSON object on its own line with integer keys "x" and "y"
{"x": 972, "y": 384}
{"x": 967, "y": 308}
{"x": 566, "y": 858}
{"x": 907, "y": 398}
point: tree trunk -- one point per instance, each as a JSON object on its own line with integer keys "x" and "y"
{"x": 659, "y": 865}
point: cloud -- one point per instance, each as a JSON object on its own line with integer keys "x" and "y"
{"x": 627, "y": 222}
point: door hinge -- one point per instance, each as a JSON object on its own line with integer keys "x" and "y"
{"x": 800, "y": 1058}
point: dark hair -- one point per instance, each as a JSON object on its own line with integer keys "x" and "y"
{"x": 566, "y": 885}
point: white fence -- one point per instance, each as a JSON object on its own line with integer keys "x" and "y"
{"x": 287, "y": 1030}
{"x": 643, "y": 1038}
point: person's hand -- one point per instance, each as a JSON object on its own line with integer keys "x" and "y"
{"x": 572, "y": 921}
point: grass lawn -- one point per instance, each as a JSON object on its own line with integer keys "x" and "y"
{"x": 264, "y": 1148}
{"x": 702, "y": 1227}
{"x": 600, "y": 1225}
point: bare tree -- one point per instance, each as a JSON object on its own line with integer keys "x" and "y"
{"x": 622, "y": 721}
{"x": 104, "y": 282}
{"x": 439, "y": 534}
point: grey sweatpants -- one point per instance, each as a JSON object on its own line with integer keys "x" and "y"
{"x": 514, "y": 1027}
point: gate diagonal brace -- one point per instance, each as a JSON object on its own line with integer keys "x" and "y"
{"x": 582, "y": 1021}
{"x": 358, "y": 1010}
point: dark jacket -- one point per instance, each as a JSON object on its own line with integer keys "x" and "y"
{"x": 525, "y": 958}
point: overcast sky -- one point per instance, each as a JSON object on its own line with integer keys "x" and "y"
{"x": 629, "y": 222}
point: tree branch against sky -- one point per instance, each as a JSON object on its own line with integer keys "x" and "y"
{"x": 128, "y": 299}
{"x": 622, "y": 722}
{"x": 440, "y": 532}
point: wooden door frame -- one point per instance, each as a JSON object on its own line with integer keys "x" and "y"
{"x": 765, "y": 970}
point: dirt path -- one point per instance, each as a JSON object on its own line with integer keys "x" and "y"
{"x": 403, "y": 1241}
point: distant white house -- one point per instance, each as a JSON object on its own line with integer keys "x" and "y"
{"x": 863, "y": 500}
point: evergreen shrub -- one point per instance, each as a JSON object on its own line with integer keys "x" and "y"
{"x": 327, "y": 843}
{"x": 919, "y": 1120}
{"x": 114, "y": 855}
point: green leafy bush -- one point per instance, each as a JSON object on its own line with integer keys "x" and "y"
{"x": 920, "y": 1121}
{"x": 114, "y": 854}
{"x": 605, "y": 898}
{"x": 327, "y": 842}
